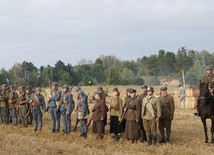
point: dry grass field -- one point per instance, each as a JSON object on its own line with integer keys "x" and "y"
{"x": 187, "y": 139}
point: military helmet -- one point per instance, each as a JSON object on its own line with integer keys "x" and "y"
{"x": 163, "y": 88}
{"x": 80, "y": 92}
{"x": 209, "y": 68}
{"x": 55, "y": 84}
{"x": 38, "y": 89}
{"x": 150, "y": 89}
{"x": 78, "y": 88}
{"x": 66, "y": 86}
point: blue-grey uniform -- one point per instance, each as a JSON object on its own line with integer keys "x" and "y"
{"x": 55, "y": 108}
{"x": 82, "y": 109}
{"x": 37, "y": 102}
{"x": 66, "y": 108}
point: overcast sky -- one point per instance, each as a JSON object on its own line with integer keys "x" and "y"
{"x": 44, "y": 31}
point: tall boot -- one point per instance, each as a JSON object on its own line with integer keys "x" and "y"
{"x": 149, "y": 140}
{"x": 168, "y": 132}
{"x": 153, "y": 139}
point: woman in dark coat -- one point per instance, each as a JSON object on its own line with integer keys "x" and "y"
{"x": 131, "y": 130}
{"x": 99, "y": 114}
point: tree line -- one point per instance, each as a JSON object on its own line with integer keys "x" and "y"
{"x": 110, "y": 70}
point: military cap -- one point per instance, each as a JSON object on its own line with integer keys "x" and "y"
{"x": 38, "y": 89}
{"x": 21, "y": 87}
{"x": 209, "y": 68}
{"x": 133, "y": 91}
{"x": 98, "y": 93}
{"x": 150, "y": 89}
{"x": 116, "y": 89}
{"x": 28, "y": 87}
{"x": 4, "y": 85}
{"x": 99, "y": 88}
{"x": 78, "y": 88}
{"x": 66, "y": 86}
{"x": 144, "y": 87}
{"x": 128, "y": 89}
{"x": 55, "y": 84}
{"x": 11, "y": 86}
{"x": 163, "y": 88}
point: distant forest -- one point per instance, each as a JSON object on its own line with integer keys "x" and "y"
{"x": 110, "y": 70}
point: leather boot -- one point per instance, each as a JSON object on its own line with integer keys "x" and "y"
{"x": 149, "y": 140}
{"x": 153, "y": 139}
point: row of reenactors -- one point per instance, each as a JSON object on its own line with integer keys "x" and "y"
{"x": 137, "y": 117}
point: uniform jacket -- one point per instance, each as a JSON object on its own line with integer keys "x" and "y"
{"x": 56, "y": 96}
{"x": 13, "y": 97}
{"x": 22, "y": 99}
{"x": 70, "y": 105}
{"x": 82, "y": 106}
{"x": 167, "y": 106}
{"x": 116, "y": 107}
{"x": 140, "y": 102}
{"x": 132, "y": 111}
{"x": 38, "y": 102}
{"x": 209, "y": 79}
{"x": 4, "y": 98}
{"x": 151, "y": 108}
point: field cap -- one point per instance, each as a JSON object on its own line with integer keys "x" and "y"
{"x": 163, "y": 88}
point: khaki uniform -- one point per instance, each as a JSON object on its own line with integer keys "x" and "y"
{"x": 150, "y": 111}
{"x": 116, "y": 108}
{"x": 13, "y": 96}
{"x": 209, "y": 79}
{"x": 142, "y": 132}
{"x": 22, "y": 108}
{"x": 167, "y": 115}
{"x": 4, "y": 109}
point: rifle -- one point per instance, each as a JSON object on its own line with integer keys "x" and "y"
{"x": 49, "y": 84}
{"x": 124, "y": 112}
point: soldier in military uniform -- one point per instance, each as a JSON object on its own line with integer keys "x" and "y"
{"x": 13, "y": 97}
{"x": 182, "y": 97}
{"x": 4, "y": 96}
{"x": 37, "y": 102}
{"x": 126, "y": 103}
{"x": 208, "y": 78}
{"x": 66, "y": 108}
{"x": 151, "y": 112}
{"x": 54, "y": 107}
{"x": 29, "y": 92}
{"x": 167, "y": 114}
{"x": 22, "y": 105}
{"x": 142, "y": 132}
{"x": 82, "y": 113}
